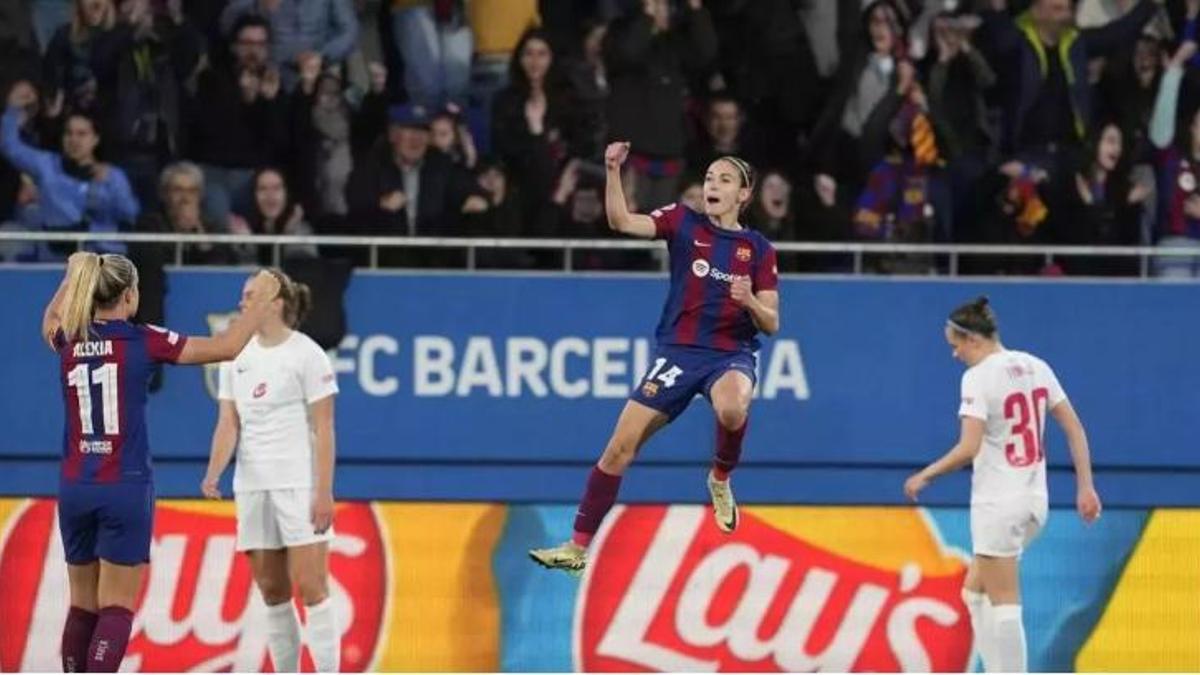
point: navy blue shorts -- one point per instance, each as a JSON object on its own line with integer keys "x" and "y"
{"x": 678, "y": 374}
{"x": 110, "y": 521}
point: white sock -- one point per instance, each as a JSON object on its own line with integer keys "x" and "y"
{"x": 1009, "y": 638}
{"x": 283, "y": 637}
{"x": 980, "y": 609}
{"x": 324, "y": 638}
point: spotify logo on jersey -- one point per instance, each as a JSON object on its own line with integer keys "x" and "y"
{"x": 700, "y": 268}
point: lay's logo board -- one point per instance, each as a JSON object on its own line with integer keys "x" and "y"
{"x": 199, "y": 609}
{"x": 666, "y": 591}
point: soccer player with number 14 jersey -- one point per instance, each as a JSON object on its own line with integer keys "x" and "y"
{"x": 724, "y": 292}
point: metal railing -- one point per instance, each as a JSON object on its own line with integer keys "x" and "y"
{"x": 858, "y": 251}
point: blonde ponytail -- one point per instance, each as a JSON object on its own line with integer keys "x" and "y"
{"x": 79, "y": 301}
{"x": 93, "y": 281}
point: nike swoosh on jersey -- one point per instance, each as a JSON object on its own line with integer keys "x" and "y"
{"x": 701, "y": 244}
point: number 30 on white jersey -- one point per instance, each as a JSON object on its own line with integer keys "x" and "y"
{"x": 1012, "y": 392}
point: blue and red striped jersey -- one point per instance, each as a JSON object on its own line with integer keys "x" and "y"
{"x": 705, "y": 260}
{"x": 105, "y": 386}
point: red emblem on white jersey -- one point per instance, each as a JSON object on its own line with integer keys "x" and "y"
{"x": 260, "y": 390}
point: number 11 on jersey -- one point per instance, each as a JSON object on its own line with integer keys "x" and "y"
{"x": 106, "y": 377}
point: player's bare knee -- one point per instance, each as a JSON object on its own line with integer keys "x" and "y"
{"x": 275, "y": 591}
{"x": 314, "y": 590}
{"x": 732, "y": 415}
{"x": 619, "y": 453}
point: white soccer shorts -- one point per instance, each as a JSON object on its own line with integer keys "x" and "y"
{"x": 275, "y": 519}
{"x": 1005, "y": 529}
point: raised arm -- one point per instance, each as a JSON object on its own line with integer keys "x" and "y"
{"x": 619, "y": 217}
{"x": 52, "y": 316}
{"x": 22, "y": 155}
{"x": 227, "y": 345}
{"x": 224, "y": 441}
{"x": 1162, "y": 122}
{"x": 963, "y": 453}
{"x": 1087, "y": 501}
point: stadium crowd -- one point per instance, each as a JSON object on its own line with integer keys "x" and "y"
{"x": 992, "y": 121}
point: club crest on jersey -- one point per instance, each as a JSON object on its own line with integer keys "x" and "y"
{"x": 649, "y": 389}
{"x": 743, "y": 253}
{"x": 700, "y": 267}
{"x": 260, "y": 390}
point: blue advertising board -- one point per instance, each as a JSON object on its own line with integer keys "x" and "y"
{"x": 504, "y": 387}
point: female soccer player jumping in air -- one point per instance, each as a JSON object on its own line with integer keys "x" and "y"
{"x": 1005, "y": 397}
{"x": 724, "y": 292}
{"x": 276, "y": 398}
{"x": 106, "y": 489}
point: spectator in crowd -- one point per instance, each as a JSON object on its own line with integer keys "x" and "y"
{"x": 724, "y": 129}
{"x": 17, "y": 192}
{"x": 368, "y": 56}
{"x": 762, "y": 45}
{"x": 300, "y": 29}
{"x": 772, "y": 211}
{"x": 238, "y": 119}
{"x": 577, "y": 211}
{"x": 142, "y": 71}
{"x": 1127, "y": 90}
{"x": 497, "y": 26}
{"x": 1100, "y": 205}
{"x": 589, "y": 81}
{"x": 1046, "y": 56}
{"x": 47, "y": 16}
{"x": 958, "y": 76}
{"x": 405, "y": 188}
{"x": 181, "y": 194}
{"x": 450, "y": 135}
{"x": 503, "y": 218}
{"x": 75, "y": 190}
{"x": 436, "y": 45}
{"x": 649, "y": 54}
{"x": 1012, "y": 209}
{"x": 71, "y": 55}
{"x": 1178, "y": 165}
{"x": 275, "y": 212}
{"x": 852, "y": 134}
{"x": 536, "y": 123}
{"x": 322, "y": 137}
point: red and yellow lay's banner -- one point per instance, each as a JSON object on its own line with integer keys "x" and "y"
{"x": 199, "y": 609}
{"x": 447, "y": 587}
{"x": 794, "y": 592}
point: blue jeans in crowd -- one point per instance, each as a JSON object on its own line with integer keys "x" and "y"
{"x": 437, "y": 58}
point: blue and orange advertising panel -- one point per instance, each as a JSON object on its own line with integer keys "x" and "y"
{"x": 423, "y": 586}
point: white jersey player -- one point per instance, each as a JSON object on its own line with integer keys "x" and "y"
{"x": 1005, "y": 397}
{"x": 276, "y": 408}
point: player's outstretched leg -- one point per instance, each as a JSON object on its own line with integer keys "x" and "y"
{"x": 635, "y": 426}
{"x": 81, "y": 618}
{"x": 730, "y": 395}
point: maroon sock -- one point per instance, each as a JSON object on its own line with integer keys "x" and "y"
{"x": 598, "y": 498}
{"x": 77, "y": 635}
{"x": 729, "y": 449}
{"x": 109, "y": 640}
